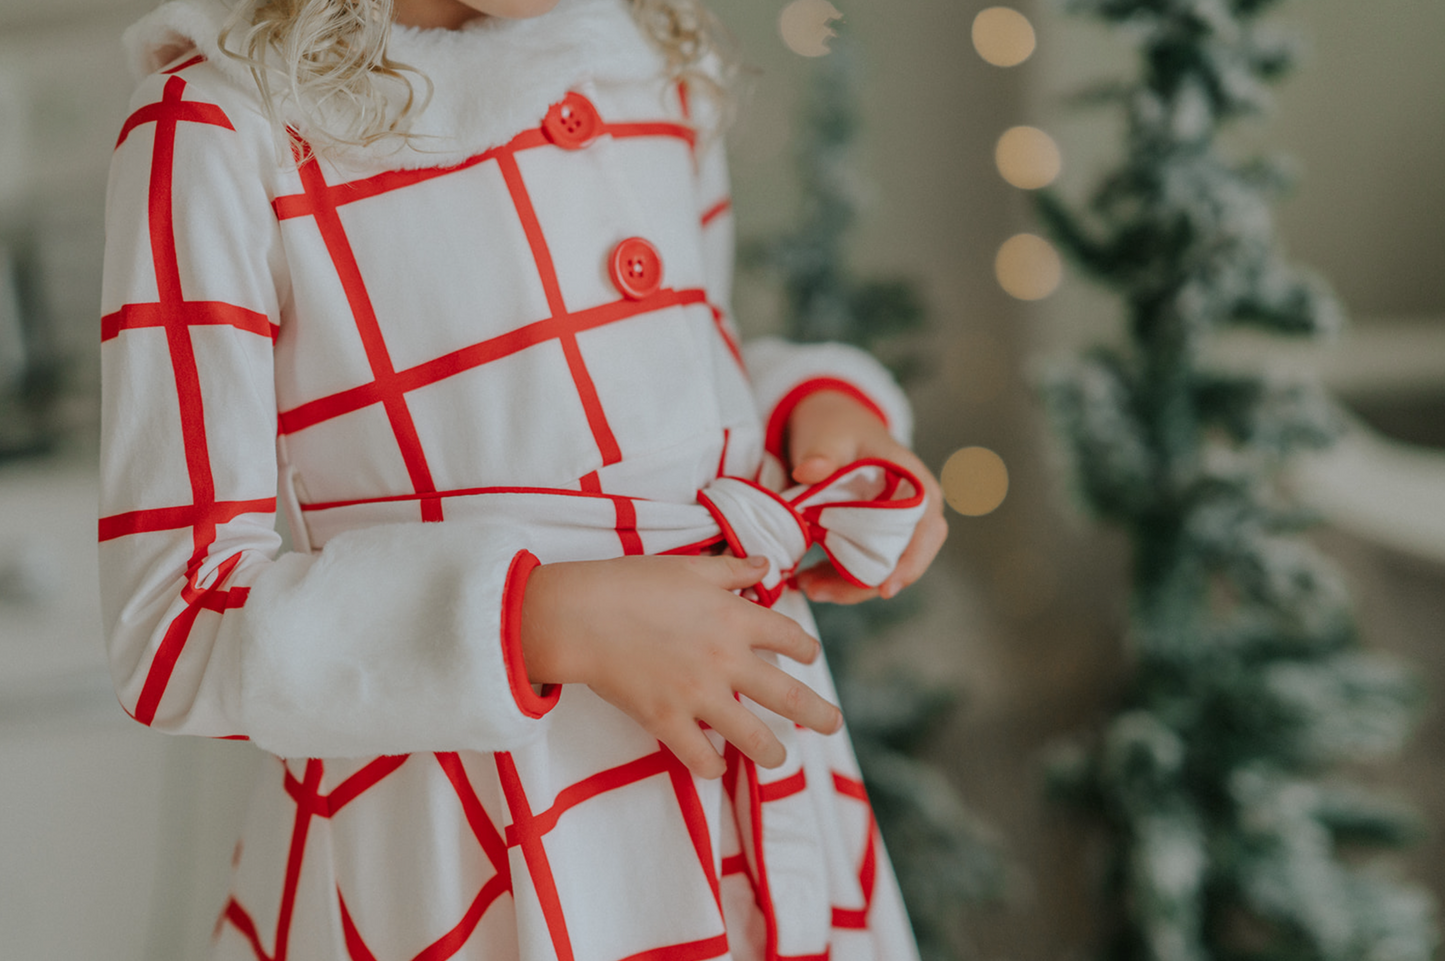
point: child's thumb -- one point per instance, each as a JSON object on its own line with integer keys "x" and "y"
{"x": 814, "y": 458}
{"x": 735, "y": 573}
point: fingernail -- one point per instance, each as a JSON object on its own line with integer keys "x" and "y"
{"x": 757, "y": 561}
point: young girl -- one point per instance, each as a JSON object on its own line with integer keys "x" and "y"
{"x": 446, "y": 281}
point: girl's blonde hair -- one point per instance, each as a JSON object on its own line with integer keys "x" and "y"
{"x": 329, "y": 58}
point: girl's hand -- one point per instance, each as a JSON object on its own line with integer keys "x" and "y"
{"x": 829, "y": 430}
{"x": 664, "y": 640}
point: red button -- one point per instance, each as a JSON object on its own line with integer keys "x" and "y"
{"x": 572, "y": 124}
{"x": 636, "y": 268}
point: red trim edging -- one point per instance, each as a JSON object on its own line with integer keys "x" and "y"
{"x": 778, "y": 420}
{"x": 529, "y": 702}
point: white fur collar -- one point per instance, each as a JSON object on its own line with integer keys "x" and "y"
{"x": 490, "y": 79}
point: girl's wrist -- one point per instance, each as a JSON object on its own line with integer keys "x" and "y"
{"x": 544, "y": 647}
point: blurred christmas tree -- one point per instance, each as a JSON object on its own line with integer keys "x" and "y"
{"x": 945, "y": 857}
{"x": 1236, "y": 835}
{"x": 32, "y": 371}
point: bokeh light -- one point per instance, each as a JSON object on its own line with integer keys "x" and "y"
{"x": 1003, "y": 36}
{"x": 975, "y": 481}
{"x": 1028, "y": 267}
{"x": 805, "y": 26}
{"x": 1028, "y": 158}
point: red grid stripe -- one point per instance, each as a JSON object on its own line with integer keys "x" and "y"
{"x": 762, "y": 892}
{"x": 695, "y": 819}
{"x": 175, "y": 315}
{"x": 547, "y": 272}
{"x": 530, "y": 840}
{"x": 720, "y": 319}
{"x": 722, "y": 460}
{"x": 174, "y": 518}
{"x": 475, "y": 355}
{"x": 626, "y": 514}
{"x": 627, "y": 527}
{"x": 171, "y": 110}
{"x": 321, "y": 200}
{"x": 796, "y": 783}
{"x": 639, "y": 769}
{"x": 298, "y": 205}
{"x": 355, "y": 946}
{"x": 199, "y": 313}
{"x": 848, "y": 919}
{"x": 447, "y": 946}
{"x": 528, "y": 828}
{"x": 652, "y": 129}
{"x": 393, "y": 399}
{"x": 527, "y": 831}
{"x": 242, "y": 921}
{"x": 483, "y": 828}
{"x": 311, "y": 804}
{"x": 490, "y": 841}
{"x": 304, "y": 814}
{"x": 588, "y": 491}
{"x": 702, "y": 950}
{"x": 856, "y": 919}
{"x": 168, "y": 654}
{"x": 716, "y": 210}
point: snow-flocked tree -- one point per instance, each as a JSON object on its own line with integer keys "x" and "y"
{"x": 1237, "y": 835}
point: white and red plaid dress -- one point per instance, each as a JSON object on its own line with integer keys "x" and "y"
{"x": 505, "y": 343}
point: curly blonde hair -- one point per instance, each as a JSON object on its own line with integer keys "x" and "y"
{"x": 329, "y": 59}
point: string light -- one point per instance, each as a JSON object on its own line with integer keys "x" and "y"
{"x": 1003, "y": 36}
{"x": 1028, "y": 158}
{"x": 975, "y": 481}
{"x": 1028, "y": 267}
{"x": 805, "y": 26}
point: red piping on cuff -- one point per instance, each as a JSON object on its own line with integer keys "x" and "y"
{"x": 778, "y": 420}
{"x": 529, "y": 702}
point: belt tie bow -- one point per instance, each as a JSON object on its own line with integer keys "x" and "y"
{"x": 862, "y": 517}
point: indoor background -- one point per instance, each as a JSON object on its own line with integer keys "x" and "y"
{"x": 114, "y": 841}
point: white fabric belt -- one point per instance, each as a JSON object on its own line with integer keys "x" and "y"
{"x": 862, "y": 516}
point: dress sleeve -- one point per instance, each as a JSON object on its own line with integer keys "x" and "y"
{"x": 784, "y": 373}
{"x": 392, "y": 639}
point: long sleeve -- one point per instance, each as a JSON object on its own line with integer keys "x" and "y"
{"x": 392, "y": 639}
{"x": 783, "y": 373}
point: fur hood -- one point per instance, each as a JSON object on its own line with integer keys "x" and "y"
{"x": 490, "y": 79}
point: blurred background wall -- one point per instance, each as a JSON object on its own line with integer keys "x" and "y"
{"x": 114, "y": 842}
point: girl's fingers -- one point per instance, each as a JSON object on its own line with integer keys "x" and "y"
{"x": 814, "y": 468}
{"x": 823, "y": 583}
{"x": 784, "y": 694}
{"x": 834, "y": 444}
{"x": 927, "y": 540}
{"x": 731, "y": 573}
{"x": 815, "y": 457}
{"x": 824, "y": 433}
{"x": 745, "y": 731}
{"x": 686, "y": 740}
{"x": 782, "y": 635}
